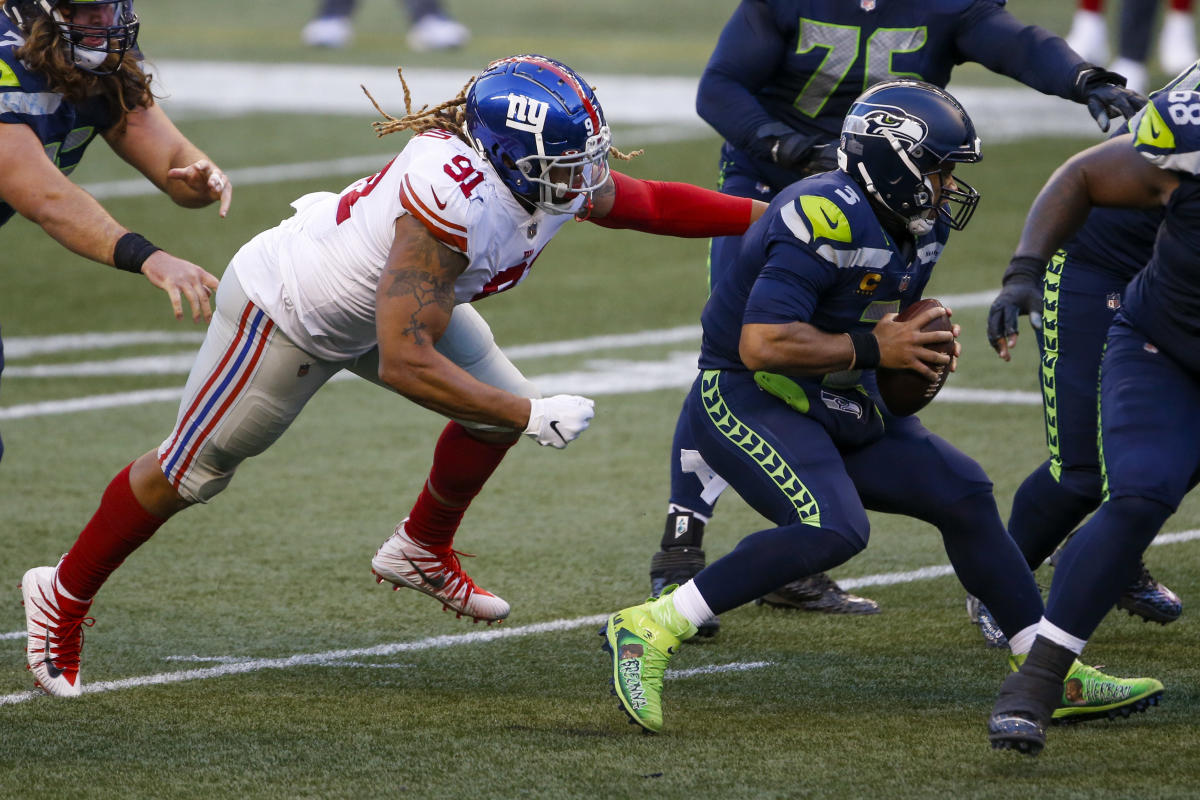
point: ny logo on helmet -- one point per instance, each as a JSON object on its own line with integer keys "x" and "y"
{"x": 526, "y": 114}
{"x": 882, "y": 121}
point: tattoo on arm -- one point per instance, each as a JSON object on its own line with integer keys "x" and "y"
{"x": 427, "y": 276}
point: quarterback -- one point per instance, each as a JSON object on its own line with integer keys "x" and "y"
{"x": 378, "y": 279}
{"x": 786, "y": 407}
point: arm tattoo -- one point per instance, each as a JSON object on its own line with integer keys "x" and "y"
{"x": 428, "y": 278}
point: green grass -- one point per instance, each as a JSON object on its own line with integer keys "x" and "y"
{"x": 892, "y": 705}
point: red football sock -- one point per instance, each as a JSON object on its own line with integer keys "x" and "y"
{"x": 1091, "y": 5}
{"x": 1181, "y": 5}
{"x": 119, "y": 526}
{"x": 461, "y": 466}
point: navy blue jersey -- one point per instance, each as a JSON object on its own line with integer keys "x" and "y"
{"x": 818, "y": 255}
{"x": 1118, "y": 242}
{"x": 1163, "y": 301}
{"x": 64, "y": 128}
{"x": 797, "y": 65}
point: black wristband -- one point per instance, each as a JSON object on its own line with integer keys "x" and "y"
{"x": 131, "y": 252}
{"x": 1027, "y": 267}
{"x": 866, "y": 350}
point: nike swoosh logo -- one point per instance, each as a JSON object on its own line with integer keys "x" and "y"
{"x": 1153, "y": 130}
{"x": 554, "y": 427}
{"x": 436, "y": 583}
{"x": 441, "y": 206}
{"x": 51, "y": 670}
{"x": 832, "y": 225}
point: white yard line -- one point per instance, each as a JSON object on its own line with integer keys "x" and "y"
{"x": 234, "y": 665}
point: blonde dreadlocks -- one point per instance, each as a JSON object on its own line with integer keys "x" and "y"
{"x": 449, "y": 116}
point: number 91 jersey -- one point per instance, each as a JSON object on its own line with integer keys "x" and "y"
{"x": 316, "y": 273}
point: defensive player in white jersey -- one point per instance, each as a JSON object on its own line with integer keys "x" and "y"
{"x": 378, "y": 280}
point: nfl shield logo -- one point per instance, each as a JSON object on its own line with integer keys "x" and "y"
{"x": 1113, "y": 301}
{"x": 907, "y": 278}
{"x": 866, "y": 5}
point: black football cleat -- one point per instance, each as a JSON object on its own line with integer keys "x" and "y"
{"x": 1010, "y": 731}
{"x": 818, "y": 593}
{"x": 1147, "y": 598}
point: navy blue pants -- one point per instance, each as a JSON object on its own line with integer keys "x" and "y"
{"x": 737, "y": 178}
{"x": 1150, "y": 447}
{"x": 1079, "y": 304}
{"x": 788, "y": 468}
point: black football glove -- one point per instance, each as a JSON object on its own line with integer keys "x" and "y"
{"x": 1020, "y": 293}
{"x": 793, "y": 150}
{"x": 1105, "y": 94}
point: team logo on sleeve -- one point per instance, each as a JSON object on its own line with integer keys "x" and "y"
{"x": 526, "y": 114}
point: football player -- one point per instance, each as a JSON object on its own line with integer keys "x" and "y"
{"x": 378, "y": 279}
{"x": 1149, "y": 389}
{"x": 777, "y": 86}
{"x": 1082, "y": 287}
{"x": 814, "y": 292}
{"x": 69, "y": 71}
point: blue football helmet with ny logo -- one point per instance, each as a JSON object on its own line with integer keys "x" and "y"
{"x": 897, "y": 134}
{"x": 542, "y": 129}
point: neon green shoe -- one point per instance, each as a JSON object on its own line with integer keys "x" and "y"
{"x": 641, "y": 640}
{"x": 1089, "y": 694}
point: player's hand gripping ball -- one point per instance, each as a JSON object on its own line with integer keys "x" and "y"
{"x": 907, "y": 391}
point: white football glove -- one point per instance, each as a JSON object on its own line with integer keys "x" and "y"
{"x": 556, "y": 420}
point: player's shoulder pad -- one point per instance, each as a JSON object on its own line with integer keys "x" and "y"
{"x": 440, "y": 177}
{"x": 830, "y": 215}
{"x": 1167, "y": 130}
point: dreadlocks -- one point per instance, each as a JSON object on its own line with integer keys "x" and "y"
{"x": 449, "y": 116}
{"x": 124, "y": 91}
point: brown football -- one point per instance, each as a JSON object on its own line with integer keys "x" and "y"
{"x": 906, "y": 391}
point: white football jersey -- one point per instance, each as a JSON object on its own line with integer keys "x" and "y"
{"x": 316, "y": 273}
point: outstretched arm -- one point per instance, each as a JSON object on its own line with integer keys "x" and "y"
{"x": 671, "y": 209}
{"x": 38, "y": 191}
{"x": 152, "y": 144}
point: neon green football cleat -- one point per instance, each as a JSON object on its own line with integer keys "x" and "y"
{"x": 1089, "y": 694}
{"x": 641, "y": 640}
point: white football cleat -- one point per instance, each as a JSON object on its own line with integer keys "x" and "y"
{"x": 435, "y": 32}
{"x": 1177, "y": 42}
{"x": 1089, "y": 36}
{"x": 405, "y": 563}
{"x": 55, "y": 627}
{"x": 331, "y": 32}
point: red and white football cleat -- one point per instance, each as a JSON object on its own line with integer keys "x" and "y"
{"x": 405, "y": 563}
{"x": 55, "y": 627}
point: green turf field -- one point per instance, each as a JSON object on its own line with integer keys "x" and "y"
{"x": 307, "y": 680}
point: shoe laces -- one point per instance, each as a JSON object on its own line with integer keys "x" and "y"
{"x": 69, "y": 637}
{"x": 448, "y": 564}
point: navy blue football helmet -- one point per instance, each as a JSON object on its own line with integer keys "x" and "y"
{"x": 897, "y": 134}
{"x": 97, "y": 33}
{"x": 540, "y": 126}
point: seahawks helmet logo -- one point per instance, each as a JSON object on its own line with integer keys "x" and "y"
{"x": 877, "y": 120}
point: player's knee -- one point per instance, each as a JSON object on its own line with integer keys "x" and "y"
{"x": 1137, "y": 516}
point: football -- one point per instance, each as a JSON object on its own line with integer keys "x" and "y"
{"x": 906, "y": 391}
